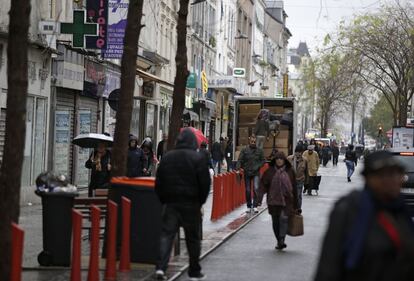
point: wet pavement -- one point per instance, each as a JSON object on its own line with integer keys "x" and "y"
{"x": 250, "y": 254}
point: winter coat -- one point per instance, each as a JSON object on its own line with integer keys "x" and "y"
{"x": 350, "y": 155}
{"x": 378, "y": 258}
{"x": 161, "y": 149}
{"x": 207, "y": 157}
{"x": 326, "y": 152}
{"x": 313, "y": 163}
{"x": 261, "y": 128}
{"x": 136, "y": 162}
{"x": 217, "y": 152}
{"x": 183, "y": 175}
{"x": 335, "y": 151}
{"x": 274, "y": 194}
{"x": 100, "y": 178}
{"x": 229, "y": 151}
{"x": 300, "y": 167}
{"x": 251, "y": 160}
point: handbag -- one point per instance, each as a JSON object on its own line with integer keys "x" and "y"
{"x": 295, "y": 225}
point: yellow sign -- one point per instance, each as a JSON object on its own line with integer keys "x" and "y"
{"x": 285, "y": 85}
{"x": 204, "y": 82}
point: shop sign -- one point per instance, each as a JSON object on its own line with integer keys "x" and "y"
{"x": 117, "y": 20}
{"x": 239, "y": 72}
{"x": 285, "y": 85}
{"x": 113, "y": 81}
{"x": 95, "y": 79}
{"x": 204, "y": 82}
{"x": 221, "y": 82}
{"x": 191, "y": 81}
{"x": 79, "y": 30}
{"x": 148, "y": 89}
{"x": 97, "y": 13}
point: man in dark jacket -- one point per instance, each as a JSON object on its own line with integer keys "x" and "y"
{"x": 251, "y": 159}
{"x": 335, "y": 154}
{"x": 162, "y": 147}
{"x": 136, "y": 159}
{"x": 351, "y": 161}
{"x": 370, "y": 234}
{"x": 182, "y": 185}
{"x": 217, "y": 155}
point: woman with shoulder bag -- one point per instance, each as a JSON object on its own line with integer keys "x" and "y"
{"x": 278, "y": 183}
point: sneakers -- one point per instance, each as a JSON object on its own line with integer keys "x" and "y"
{"x": 160, "y": 275}
{"x": 248, "y": 210}
{"x": 255, "y": 210}
{"x": 198, "y": 277}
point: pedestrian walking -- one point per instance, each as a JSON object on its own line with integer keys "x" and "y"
{"x": 251, "y": 159}
{"x": 217, "y": 155}
{"x": 351, "y": 161}
{"x": 100, "y": 164}
{"x": 162, "y": 147}
{"x": 229, "y": 155}
{"x": 312, "y": 159}
{"x": 136, "y": 159}
{"x": 182, "y": 185}
{"x": 335, "y": 154}
{"x": 370, "y": 233}
{"x": 203, "y": 150}
{"x": 326, "y": 155}
{"x": 279, "y": 183}
{"x": 261, "y": 130}
{"x": 300, "y": 167}
{"x": 150, "y": 160}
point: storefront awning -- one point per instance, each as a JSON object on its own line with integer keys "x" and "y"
{"x": 190, "y": 115}
{"x": 148, "y": 76}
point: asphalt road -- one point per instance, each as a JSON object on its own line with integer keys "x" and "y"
{"x": 250, "y": 254}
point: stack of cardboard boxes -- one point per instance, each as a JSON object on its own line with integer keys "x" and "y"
{"x": 247, "y": 121}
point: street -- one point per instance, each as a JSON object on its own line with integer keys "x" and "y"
{"x": 250, "y": 254}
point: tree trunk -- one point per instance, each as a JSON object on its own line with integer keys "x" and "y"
{"x": 11, "y": 168}
{"x": 180, "y": 80}
{"x": 403, "y": 111}
{"x": 126, "y": 96}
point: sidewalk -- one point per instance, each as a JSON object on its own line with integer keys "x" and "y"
{"x": 214, "y": 233}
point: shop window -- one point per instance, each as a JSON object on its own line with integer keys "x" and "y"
{"x": 151, "y": 119}
{"x": 135, "y": 119}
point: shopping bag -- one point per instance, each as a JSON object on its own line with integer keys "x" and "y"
{"x": 224, "y": 165}
{"x": 295, "y": 225}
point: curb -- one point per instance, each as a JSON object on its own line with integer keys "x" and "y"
{"x": 215, "y": 247}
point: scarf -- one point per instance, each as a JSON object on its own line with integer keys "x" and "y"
{"x": 367, "y": 208}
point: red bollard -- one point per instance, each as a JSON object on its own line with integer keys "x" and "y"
{"x": 110, "y": 270}
{"x": 125, "y": 260}
{"x": 93, "y": 273}
{"x": 231, "y": 175}
{"x": 220, "y": 196}
{"x": 228, "y": 193}
{"x": 16, "y": 252}
{"x": 75, "y": 273}
{"x": 215, "y": 207}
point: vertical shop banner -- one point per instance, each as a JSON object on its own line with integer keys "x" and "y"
{"x": 117, "y": 20}
{"x": 97, "y": 12}
{"x": 62, "y": 142}
{"x": 113, "y": 81}
{"x": 82, "y": 174}
{"x": 95, "y": 79}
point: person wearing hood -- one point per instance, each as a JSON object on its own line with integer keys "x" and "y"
{"x": 149, "y": 163}
{"x": 279, "y": 183}
{"x": 182, "y": 185}
{"x": 351, "y": 160}
{"x": 136, "y": 159}
{"x": 99, "y": 163}
{"x": 370, "y": 233}
{"x": 251, "y": 159}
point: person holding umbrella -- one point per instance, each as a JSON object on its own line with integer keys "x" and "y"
{"x": 100, "y": 164}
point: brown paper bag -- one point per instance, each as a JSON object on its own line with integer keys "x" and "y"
{"x": 295, "y": 225}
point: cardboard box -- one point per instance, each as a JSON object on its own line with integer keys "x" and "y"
{"x": 243, "y": 141}
{"x": 244, "y": 132}
{"x": 250, "y": 108}
{"x": 280, "y": 142}
{"x": 283, "y": 134}
{"x": 276, "y": 109}
{"x": 247, "y": 118}
{"x": 268, "y": 151}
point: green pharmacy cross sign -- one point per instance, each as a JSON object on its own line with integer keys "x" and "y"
{"x": 79, "y": 29}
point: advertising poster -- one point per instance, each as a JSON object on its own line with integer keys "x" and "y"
{"x": 97, "y": 12}
{"x": 113, "y": 81}
{"x": 402, "y": 137}
{"x": 95, "y": 79}
{"x": 82, "y": 174}
{"x": 62, "y": 142}
{"x": 117, "y": 19}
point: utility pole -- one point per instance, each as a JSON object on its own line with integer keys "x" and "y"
{"x": 353, "y": 124}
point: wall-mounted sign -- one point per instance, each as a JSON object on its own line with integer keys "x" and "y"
{"x": 148, "y": 89}
{"x": 204, "y": 82}
{"x": 285, "y": 85}
{"x": 97, "y": 13}
{"x": 79, "y": 29}
{"x": 95, "y": 79}
{"x": 191, "y": 81}
{"x": 117, "y": 20}
{"x": 239, "y": 72}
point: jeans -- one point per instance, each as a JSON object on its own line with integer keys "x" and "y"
{"x": 260, "y": 140}
{"x": 299, "y": 186}
{"x": 280, "y": 226}
{"x": 350, "y": 166}
{"x": 335, "y": 160}
{"x": 248, "y": 181}
{"x": 189, "y": 217}
{"x": 217, "y": 166}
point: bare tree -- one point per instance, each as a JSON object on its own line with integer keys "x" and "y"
{"x": 126, "y": 97}
{"x": 11, "y": 168}
{"x": 181, "y": 75}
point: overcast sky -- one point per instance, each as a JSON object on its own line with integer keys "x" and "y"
{"x": 311, "y": 20}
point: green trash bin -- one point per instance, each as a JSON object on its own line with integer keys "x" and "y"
{"x": 145, "y": 217}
